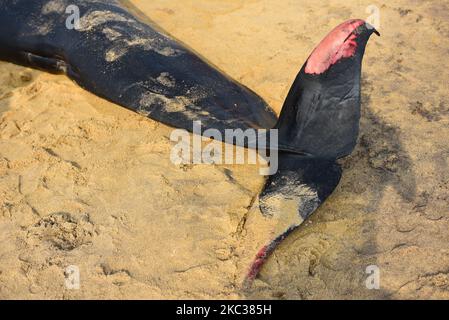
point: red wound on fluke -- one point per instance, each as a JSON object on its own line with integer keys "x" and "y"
{"x": 339, "y": 43}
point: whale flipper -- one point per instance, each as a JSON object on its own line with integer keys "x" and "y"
{"x": 49, "y": 64}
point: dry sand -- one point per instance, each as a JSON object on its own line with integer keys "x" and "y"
{"x": 84, "y": 182}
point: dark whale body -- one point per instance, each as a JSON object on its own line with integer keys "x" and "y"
{"x": 142, "y": 69}
{"x": 115, "y": 56}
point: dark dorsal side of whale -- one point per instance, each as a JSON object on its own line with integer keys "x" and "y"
{"x": 321, "y": 113}
{"x": 115, "y": 56}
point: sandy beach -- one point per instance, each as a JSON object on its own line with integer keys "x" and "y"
{"x": 86, "y": 183}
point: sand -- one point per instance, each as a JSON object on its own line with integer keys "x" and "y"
{"x": 86, "y": 183}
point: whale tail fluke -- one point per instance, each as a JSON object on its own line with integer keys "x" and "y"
{"x": 321, "y": 113}
{"x": 319, "y": 123}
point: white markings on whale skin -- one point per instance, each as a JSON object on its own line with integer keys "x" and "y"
{"x": 43, "y": 29}
{"x": 285, "y": 199}
{"x": 166, "y": 80}
{"x": 40, "y": 25}
{"x": 310, "y": 200}
{"x": 96, "y": 18}
{"x": 122, "y": 45}
{"x": 121, "y": 29}
{"x": 112, "y": 34}
{"x": 54, "y": 6}
{"x": 150, "y": 100}
{"x": 136, "y": 36}
{"x": 122, "y": 33}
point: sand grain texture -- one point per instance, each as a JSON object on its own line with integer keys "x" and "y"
{"x": 84, "y": 182}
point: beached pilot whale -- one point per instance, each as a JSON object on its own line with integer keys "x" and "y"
{"x": 115, "y": 56}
